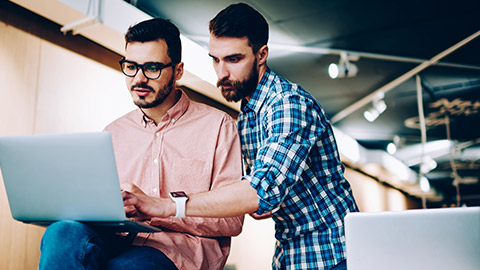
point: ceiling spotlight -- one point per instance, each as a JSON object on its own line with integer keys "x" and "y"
{"x": 378, "y": 107}
{"x": 428, "y": 164}
{"x": 343, "y": 69}
{"x": 391, "y": 148}
{"x": 424, "y": 184}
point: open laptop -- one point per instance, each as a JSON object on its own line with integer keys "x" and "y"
{"x": 440, "y": 239}
{"x": 55, "y": 177}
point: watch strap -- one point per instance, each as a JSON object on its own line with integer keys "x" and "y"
{"x": 180, "y": 199}
{"x": 180, "y": 205}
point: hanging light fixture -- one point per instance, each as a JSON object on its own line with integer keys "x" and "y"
{"x": 424, "y": 184}
{"x": 343, "y": 69}
{"x": 391, "y": 148}
{"x": 378, "y": 107}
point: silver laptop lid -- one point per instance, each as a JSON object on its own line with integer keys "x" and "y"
{"x": 61, "y": 177}
{"x": 440, "y": 239}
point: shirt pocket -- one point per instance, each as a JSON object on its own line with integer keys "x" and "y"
{"x": 191, "y": 175}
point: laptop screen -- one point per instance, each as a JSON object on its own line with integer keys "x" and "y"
{"x": 61, "y": 177}
{"x": 414, "y": 239}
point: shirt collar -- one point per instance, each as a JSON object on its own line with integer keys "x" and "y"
{"x": 173, "y": 114}
{"x": 261, "y": 92}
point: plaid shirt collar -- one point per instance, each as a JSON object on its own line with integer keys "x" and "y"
{"x": 260, "y": 94}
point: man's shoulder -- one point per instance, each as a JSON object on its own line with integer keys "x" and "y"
{"x": 277, "y": 86}
{"x": 283, "y": 90}
{"x": 282, "y": 93}
{"x": 129, "y": 118}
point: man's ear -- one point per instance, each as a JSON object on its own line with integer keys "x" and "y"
{"x": 178, "y": 71}
{"x": 262, "y": 55}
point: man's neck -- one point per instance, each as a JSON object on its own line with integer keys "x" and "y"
{"x": 157, "y": 113}
{"x": 261, "y": 71}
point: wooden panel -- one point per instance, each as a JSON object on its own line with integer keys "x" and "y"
{"x": 77, "y": 94}
{"x": 45, "y": 29}
{"x": 19, "y": 51}
{"x": 18, "y": 74}
{"x": 20, "y": 243}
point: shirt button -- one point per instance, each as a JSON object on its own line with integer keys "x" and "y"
{"x": 155, "y": 161}
{"x": 155, "y": 190}
{"x": 173, "y": 121}
{"x": 157, "y": 134}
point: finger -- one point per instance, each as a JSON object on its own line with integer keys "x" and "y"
{"x": 137, "y": 190}
{"x": 129, "y": 198}
{"x": 131, "y": 212}
{"x": 127, "y": 187}
{"x": 128, "y": 195}
{"x": 138, "y": 218}
{"x": 125, "y": 193}
{"x": 130, "y": 209}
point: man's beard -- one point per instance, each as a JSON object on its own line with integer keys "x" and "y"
{"x": 240, "y": 89}
{"x": 159, "y": 98}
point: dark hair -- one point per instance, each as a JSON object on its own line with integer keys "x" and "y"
{"x": 154, "y": 29}
{"x": 241, "y": 20}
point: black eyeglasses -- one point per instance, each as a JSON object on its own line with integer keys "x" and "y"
{"x": 151, "y": 70}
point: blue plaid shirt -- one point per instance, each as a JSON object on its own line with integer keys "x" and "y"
{"x": 293, "y": 162}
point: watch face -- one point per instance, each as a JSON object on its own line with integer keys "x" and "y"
{"x": 178, "y": 194}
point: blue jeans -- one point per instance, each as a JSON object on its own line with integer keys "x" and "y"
{"x": 75, "y": 245}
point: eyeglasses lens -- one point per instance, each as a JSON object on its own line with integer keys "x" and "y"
{"x": 150, "y": 71}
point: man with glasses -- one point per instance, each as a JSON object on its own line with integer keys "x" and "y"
{"x": 168, "y": 146}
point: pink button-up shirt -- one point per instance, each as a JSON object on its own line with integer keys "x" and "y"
{"x": 195, "y": 148}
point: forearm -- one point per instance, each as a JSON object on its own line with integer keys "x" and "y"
{"x": 228, "y": 201}
{"x": 206, "y": 227}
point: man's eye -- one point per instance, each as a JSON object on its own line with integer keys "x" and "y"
{"x": 234, "y": 60}
{"x": 153, "y": 68}
{"x": 131, "y": 66}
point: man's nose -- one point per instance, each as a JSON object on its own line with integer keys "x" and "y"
{"x": 140, "y": 77}
{"x": 222, "y": 71}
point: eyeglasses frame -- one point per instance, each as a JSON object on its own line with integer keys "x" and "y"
{"x": 161, "y": 66}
